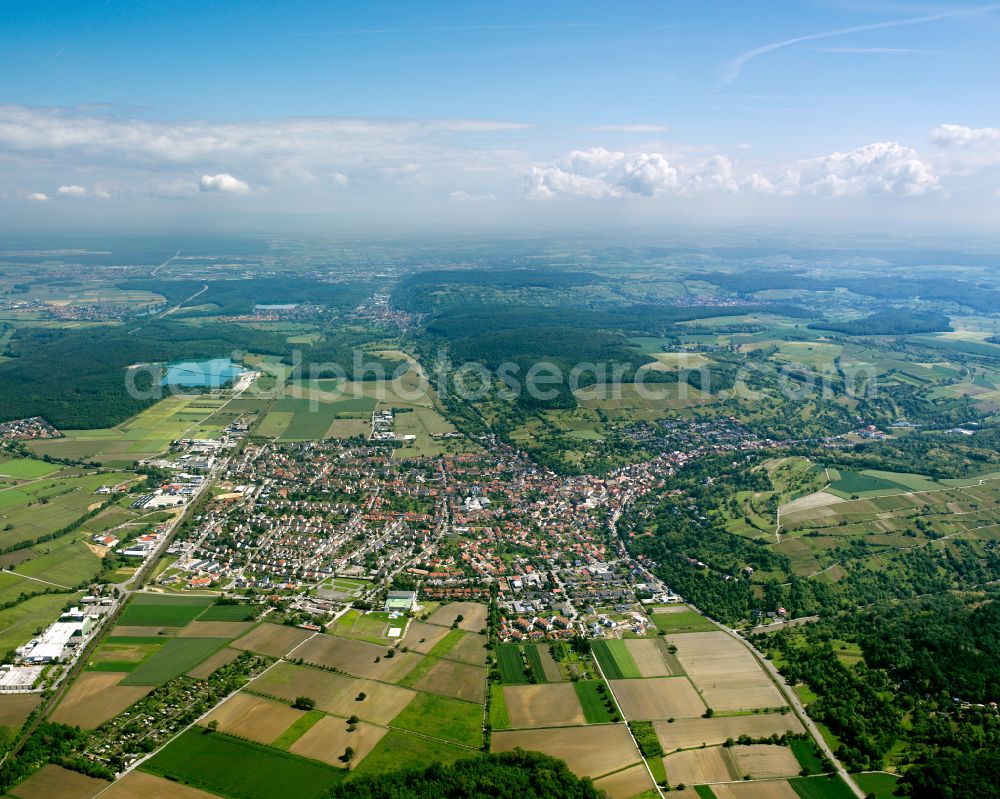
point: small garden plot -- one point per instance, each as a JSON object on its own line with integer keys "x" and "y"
{"x": 399, "y": 750}
{"x": 657, "y": 698}
{"x": 615, "y": 660}
{"x": 588, "y": 751}
{"x": 421, "y": 637}
{"x": 457, "y": 680}
{"x": 54, "y": 782}
{"x": 696, "y": 766}
{"x": 287, "y": 681}
{"x": 726, "y": 673}
{"x": 473, "y": 615}
{"x": 543, "y": 705}
{"x": 176, "y": 657}
{"x": 231, "y": 767}
{"x": 651, "y": 657}
{"x": 689, "y": 733}
{"x": 627, "y": 783}
{"x": 275, "y": 640}
{"x": 95, "y": 697}
{"x": 358, "y": 657}
{"x": 140, "y": 785}
{"x": 328, "y": 740}
{"x": 155, "y": 610}
{"x": 253, "y": 717}
{"x": 443, "y": 717}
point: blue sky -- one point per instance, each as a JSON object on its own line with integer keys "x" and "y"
{"x": 477, "y": 114}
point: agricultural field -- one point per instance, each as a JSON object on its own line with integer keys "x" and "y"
{"x": 726, "y": 675}
{"x": 693, "y": 732}
{"x": 54, "y": 782}
{"x": 591, "y": 751}
{"x": 680, "y": 619}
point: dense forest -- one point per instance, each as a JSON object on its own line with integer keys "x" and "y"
{"x": 510, "y": 775}
{"x": 891, "y": 322}
{"x": 76, "y": 378}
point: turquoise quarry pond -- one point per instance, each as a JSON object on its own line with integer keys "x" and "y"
{"x": 201, "y": 374}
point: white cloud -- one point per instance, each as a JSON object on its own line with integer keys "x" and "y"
{"x": 961, "y": 135}
{"x": 884, "y": 168}
{"x": 37, "y": 197}
{"x": 468, "y": 197}
{"x": 223, "y": 184}
{"x": 71, "y": 191}
{"x": 880, "y": 168}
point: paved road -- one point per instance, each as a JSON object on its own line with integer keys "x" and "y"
{"x": 799, "y": 709}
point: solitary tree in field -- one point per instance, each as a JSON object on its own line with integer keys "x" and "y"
{"x": 348, "y": 755}
{"x": 304, "y": 703}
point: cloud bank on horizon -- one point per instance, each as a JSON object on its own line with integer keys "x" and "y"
{"x": 834, "y": 113}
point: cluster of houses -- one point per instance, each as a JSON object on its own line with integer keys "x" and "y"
{"x": 27, "y": 429}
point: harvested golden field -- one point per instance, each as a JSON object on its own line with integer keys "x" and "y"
{"x": 96, "y": 697}
{"x": 473, "y": 615}
{"x": 471, "y": 649}
{"x": 547, "y": 705}
{"x": 215, "y": 629}
{"x": 421, "y": 637}
{"x": 697, "y": 766}
{"x": 725, "y": 672}
{"x": 688, "y": 733}
{"x": 15, "y": 708}
{"x": 219, "y": 659}
{"x": 328, "y": 739}
{"x": 287, "y": 681}
{"x": 139, "y": 785}
{"x": 657, "y": 698}
{"x": 772, "y": 789}
{"x": 275, "y": 640}
{"x": 382, "y": 702}
{"x": 650, "y": 657}
{"x": 763, "y": 761}
{"x": 626, "y": 783}
{"x": 53, "y": 782}
{"x": 358, "y": 657}
{"x": 449, "y": 678}
{"x": 591, "y": 751}
{"x": 253, "y": 717}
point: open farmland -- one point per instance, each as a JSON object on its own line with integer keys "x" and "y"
{"x": 657, "y": 698}
{"x": 765, "y": 761}
{"x": 231, "y": 767}
{"x": 15, "y": 708}
{"x": 157, "y": 610}
{"x": 253, "y": 717}
{"x": 651, "y": 657}
{"x": 357, "y": 657}
{"x": 173, "y": 659}
{"x": 688, "y": 733}
{"x": 273, "y": 639}
{"x": 328, "y": 739}
{"x": 95, "y": 697}
{"x": 589, "y": 751}
{"x": 615, "y": 659}
{"x": 140, "y": 785}
{"x": 772, "y": 789}
{"x": 54, "y": 782}
{"x": 287, "y": 681}
{"x": 697, "y": 766}
{"x": 473, "y": 615}
{"x": 724, "y": 671}
{"x": 443, "y": 717}
{"x": 457, "y": 680}
{"x": 543, "y": 705}
{"x": 626, "y": 784}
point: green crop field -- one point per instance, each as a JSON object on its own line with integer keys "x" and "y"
{"x": 227, "y": 613}
{"x": 535, "y": 662}
{"x": 443, "y": 717}
{"x": 882, "y": 785}
{"x": 399, "y": 750}
{"x": 805, "y": 752}
{"x": 615, "y": 660}
{"x": 683, "y": 621}
{"x": 499, "y": 718}
{"x": 298, "y": 728}
{"x": 510, "y": 664}
{"x": 152, "y": 610}
{"x": 27, "y": 468}
{"x": 594, "y": 702}
{"x": 826, "y": 787}
{"x": 175, "y": 658}
{"x": 240, "y": 769}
